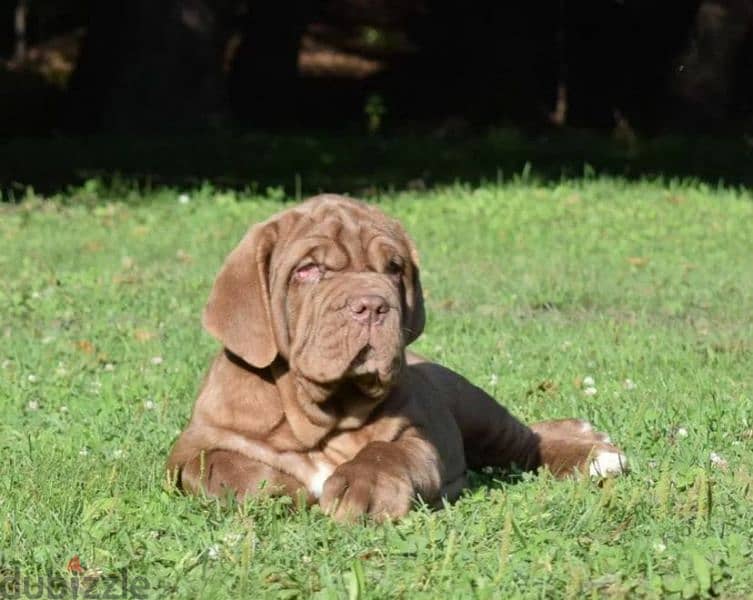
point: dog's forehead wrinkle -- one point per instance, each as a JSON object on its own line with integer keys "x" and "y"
{"x": 350, "y": 213}
{"x": 338, "y": 209}
{"x": 340, "y": 252}
{"x": 348, "y": 210}
{"x": 319, "y": 248}
{"x": 381, "y": 249}
{"x": 331, "y": 228}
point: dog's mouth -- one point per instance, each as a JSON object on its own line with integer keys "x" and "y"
{"x": 360, "y": 363}
{"x": 366, "y": 361}
{"x": 372, "y": 372}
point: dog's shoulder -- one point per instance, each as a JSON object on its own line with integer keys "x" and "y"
{"x": 238, "y": 398}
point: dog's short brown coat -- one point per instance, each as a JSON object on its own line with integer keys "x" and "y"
{"x": 314, "y": 392}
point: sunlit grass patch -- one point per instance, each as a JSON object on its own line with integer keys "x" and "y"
{"x": 625, "y": 303}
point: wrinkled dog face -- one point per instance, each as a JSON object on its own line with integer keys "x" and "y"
{"x": 340, "y": 288}
{"x": 344, "y": 312}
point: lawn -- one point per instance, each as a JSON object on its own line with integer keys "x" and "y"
{"x": 646, "y": 287}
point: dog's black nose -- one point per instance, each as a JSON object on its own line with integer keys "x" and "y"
{"x": 368, "y": 309}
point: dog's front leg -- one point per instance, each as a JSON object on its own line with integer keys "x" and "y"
{"x": 218, "y": 472}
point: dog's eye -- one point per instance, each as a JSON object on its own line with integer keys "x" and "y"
{"x": 394, "y": 267}
{"x": 309, "y": 273}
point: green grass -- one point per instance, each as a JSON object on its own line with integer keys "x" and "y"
{"x": 530, "y": 288}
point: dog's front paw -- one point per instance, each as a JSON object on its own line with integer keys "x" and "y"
{"x": 570, "y": 446}
{"x": 374, "y": 483}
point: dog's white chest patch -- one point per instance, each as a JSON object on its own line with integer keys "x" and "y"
{"x": 316, "y": 482}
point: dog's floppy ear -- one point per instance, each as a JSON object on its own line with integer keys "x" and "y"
{"x": 416, "y": 317}
{"x": 238, "y": 312}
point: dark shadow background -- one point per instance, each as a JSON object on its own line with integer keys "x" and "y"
{"x": 358, "y": 95}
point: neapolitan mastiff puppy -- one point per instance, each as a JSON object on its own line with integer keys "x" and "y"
{"x": 314, "y": 392}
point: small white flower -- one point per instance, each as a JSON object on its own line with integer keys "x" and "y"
{"x": 184, "y": 199}
{"x": 32, "y": 405}
{"x": 493, "y": 379}
{"x": 659, "y": 547}
{"x": 36, "y": 295}
{"x": 84, "y": 451}
{"x": 117, "y": 453}
{"x": 718, "y": 461}
{"x": 629, "y": 384}
{"x": 588, "y": 381}
{"x": 109, "y": 367}
{"x": 32, "y": 378}
{"x": 681, "y": 432}
{"x": 590, "y": 391}
{"x": 156, "y": 360}
{"x": 213, "y": 552}
{"x": 149, "y": 405}
{"x": 64, "y": 409}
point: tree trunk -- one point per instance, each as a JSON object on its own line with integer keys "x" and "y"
{"x": 19, "y": 27}
{"x": 264, "y": 77}
{"x": 486, "y": 60}
{"x": 619, "y": 58}
{"x": 148, "y": 64}
{"x": 712, "y": 80}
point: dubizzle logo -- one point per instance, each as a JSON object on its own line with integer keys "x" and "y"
{"x": 80, "y": 583}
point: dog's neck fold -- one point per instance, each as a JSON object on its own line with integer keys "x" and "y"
{"x": 309, "y": 421}
{"x": 312, "y": 410}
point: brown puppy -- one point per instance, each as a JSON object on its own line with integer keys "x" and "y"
{"x": 314, "y": 392}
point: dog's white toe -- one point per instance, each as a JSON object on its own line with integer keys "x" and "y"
{"x": 606, "y": 463}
